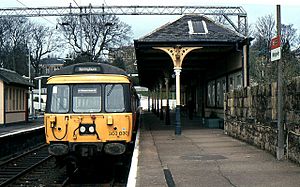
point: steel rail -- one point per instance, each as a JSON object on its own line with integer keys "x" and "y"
{"x": 67, "y": 180}
{"x": 22, "y": 155}
{"x": 15, "y": 177}
{"x": 27, "y": 164}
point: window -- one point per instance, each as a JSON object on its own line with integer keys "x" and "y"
{"x": 9, "y": 99}
{"x": 60, "y": 99}
{"x": 235, "y": 81}
{"x": 239, "y": 81}
{"x": 211, "y": 93}
{"x": 87, "y": 98}
{"x": 17, "y": 95}
{"x": 6, "y": 99}
{"x": 14, "y": 99}
{"x": 22, "y": 99}
{"x": 215, "y": 92}
{"x": 221, "y": 89}
{"x": 197, "y": 27}
{"x": 231, "y": 86}
{"x": 114, "y": 98}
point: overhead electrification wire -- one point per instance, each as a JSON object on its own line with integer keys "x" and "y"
{"x": 76, "y": 3}
{"x": 21, "y": 3}
{"x": 41, "y": 17}
{"x": 104, "y": 2}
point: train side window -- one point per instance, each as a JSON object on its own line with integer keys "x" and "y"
{"x": 114, "y": 98}
{"x": 60, "y": 99}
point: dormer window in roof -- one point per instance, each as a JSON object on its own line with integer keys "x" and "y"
{"x": 197, "y": 27}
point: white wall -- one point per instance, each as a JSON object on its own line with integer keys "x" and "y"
{"x": 144, "y": 103}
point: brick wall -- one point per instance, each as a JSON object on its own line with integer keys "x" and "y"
{"x": 251, "y": 114}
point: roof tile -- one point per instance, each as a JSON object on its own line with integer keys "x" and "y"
{"x": 179, "y": 31}
{"x": 12, "y": 77}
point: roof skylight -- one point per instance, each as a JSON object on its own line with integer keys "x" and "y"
{"x": 197, "y": 27}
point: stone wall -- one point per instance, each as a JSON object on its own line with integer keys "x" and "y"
{"x": 251, "y": 116}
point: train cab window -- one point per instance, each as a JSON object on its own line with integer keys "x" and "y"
{"x": 87, "y": 98}
{"x": 60, "y": 99}
{"x": 114, "y": 98}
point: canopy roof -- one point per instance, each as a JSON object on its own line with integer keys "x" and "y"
{"x": 216, "y": 41}
{"x": 12, "y": 77}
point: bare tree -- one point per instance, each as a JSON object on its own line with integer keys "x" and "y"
{"x": 265, "y": 30}
{"x": 17, "y": 35}
{"x": 261, "y": 68}
{"x": 42, "y": 42}
{"x": 220, "y": 19}
{"x": 124, "y": 57}
{"x": 289, "y": 35}
{"x": 3, "y": 40}
{"x": 13, "y": 43}
{"x": 251, "y": 30}
{"x": 93, "y": 34}
{"x": 289, "y": 40}
{"x": 225, "y": 21}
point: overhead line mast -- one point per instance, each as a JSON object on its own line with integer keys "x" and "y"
{"x": 227, "y": 12}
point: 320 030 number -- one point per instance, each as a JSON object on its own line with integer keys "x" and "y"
{"x": 118, "y": 133}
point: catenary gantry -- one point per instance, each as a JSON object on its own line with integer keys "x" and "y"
{"x": 235, "y": 16}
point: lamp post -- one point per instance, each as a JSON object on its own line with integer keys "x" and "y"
{"x": 40, "y": 88}
{"x": 161, "y": 113}
{"x": 31, "y": 111}
{"x": 280, "y": 125}
{"x": 90, "y": 44}
{"x": 177, "y": 71}
{"x": 167, "y": 98}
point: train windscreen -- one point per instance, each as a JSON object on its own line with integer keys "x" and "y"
{"x": 87, "y": 98}
{"x": 60, "y": 99}
{"x": 114, "y": 98}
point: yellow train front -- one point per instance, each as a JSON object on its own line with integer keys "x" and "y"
{"x": 92, "y": 109}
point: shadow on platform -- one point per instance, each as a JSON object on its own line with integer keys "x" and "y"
{"x": 154, "y": 122}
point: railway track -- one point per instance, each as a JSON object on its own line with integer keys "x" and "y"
{"x": 37, "y": 168}
{"x": 110, "y": 175}
{"x": 14, "y": 168}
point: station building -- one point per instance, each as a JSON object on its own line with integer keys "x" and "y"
{"x": 13, "y": 97}
{"x": 48, "y": 65}
{"x": 195, "y": 57}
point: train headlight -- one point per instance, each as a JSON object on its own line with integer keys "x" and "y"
{"x": 82, "y": 129}
{"x": 91, "y": 129}
{"x": 87, "y": 129}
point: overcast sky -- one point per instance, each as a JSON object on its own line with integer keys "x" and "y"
{"x": 142, "y": 25}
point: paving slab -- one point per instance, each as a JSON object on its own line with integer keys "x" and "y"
{"x": 205, "y": 157}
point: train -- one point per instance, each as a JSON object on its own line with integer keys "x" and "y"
{"x": 92, "y": 110}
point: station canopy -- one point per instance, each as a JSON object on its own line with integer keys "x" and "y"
{"x": 215, "y": 39}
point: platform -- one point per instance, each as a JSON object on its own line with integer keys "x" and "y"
{"x": 204, "y": 157}
{"x": 16, "y": 128}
